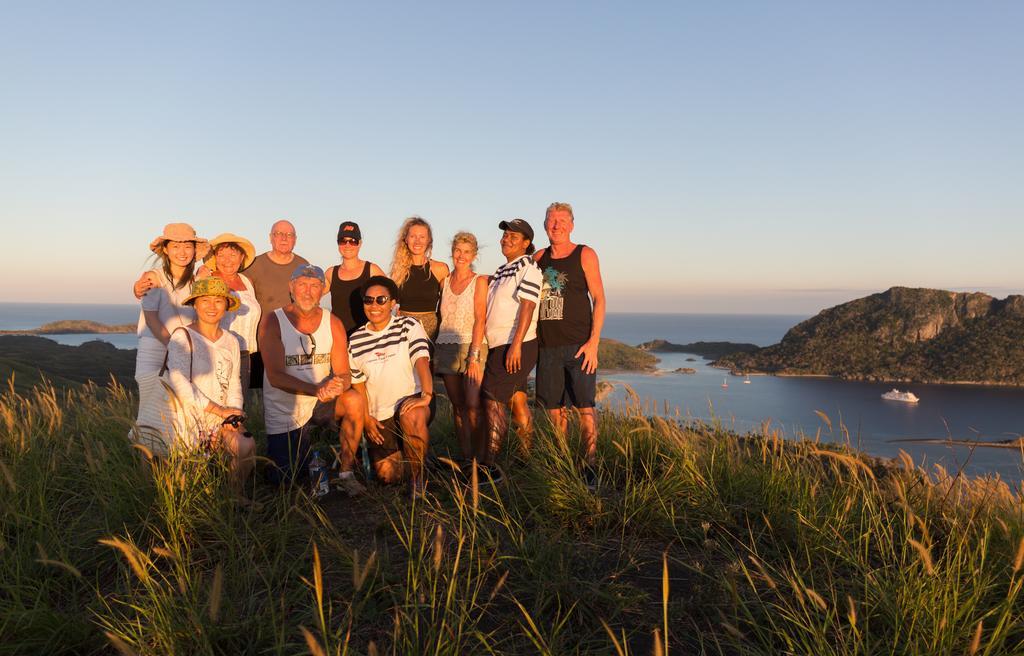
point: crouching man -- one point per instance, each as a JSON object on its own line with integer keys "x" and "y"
{"x": 306, "y": 376}
{"x": 390, "y": 362}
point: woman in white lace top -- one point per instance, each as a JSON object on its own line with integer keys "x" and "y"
{"x": 459, "y": 349}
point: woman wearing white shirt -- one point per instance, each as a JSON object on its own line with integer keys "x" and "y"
{"x": 162, "y": 292}
{"x": 202, "y": 370}
{"x": 229, "y": 254}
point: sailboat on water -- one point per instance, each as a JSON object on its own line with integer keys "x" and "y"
{"x": 725, "y": 383}
{"x": 746, "y": 381}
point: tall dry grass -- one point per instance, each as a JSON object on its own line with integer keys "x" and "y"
{"x": 698, "y": 541}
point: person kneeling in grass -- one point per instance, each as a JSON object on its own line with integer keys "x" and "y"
{"x": 203, "y": 371}
{"x": 390, "y": 362}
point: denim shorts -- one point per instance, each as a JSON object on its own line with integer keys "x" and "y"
{"x": 561, "y": 381}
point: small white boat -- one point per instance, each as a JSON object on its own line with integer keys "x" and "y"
{"x": 746, "y": 381}
{"x": 725, "y": 384}
{"x": 896, "y": 395}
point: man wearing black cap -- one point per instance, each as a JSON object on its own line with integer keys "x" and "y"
{"x": 511, "y": 331}
{"x": 347, "y": 279}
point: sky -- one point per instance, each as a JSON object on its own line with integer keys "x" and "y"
{"x": 746, "y": 157}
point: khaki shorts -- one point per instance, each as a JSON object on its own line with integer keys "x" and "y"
{"x": 453, "y": 359}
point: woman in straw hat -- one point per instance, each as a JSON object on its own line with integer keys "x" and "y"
{"x": 202, "y": 370}
{"x": 229, "y": 254}
{"x": 162, "y": 291}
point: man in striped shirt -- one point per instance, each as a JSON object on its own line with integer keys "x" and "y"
{"x": 390, "y": 361}
{"x": 511, "y": 339}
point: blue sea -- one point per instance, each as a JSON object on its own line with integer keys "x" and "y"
{"x": 856, "y": 410}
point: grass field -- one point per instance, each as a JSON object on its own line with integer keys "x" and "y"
{"x": 698, "y": 541}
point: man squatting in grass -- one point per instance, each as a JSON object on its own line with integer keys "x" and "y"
{"x": 306, "y": 375}
{"x": 390, "y": 362}
{"x": 569, "y": 330}
{"x": 511, "y": 329}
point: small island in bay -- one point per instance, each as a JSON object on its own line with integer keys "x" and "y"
{"x": 685, "y": 370}
{"x": 903, "y": 335}
{"x": 710, "y": 350}
{"x": 30, "y": 359}
{"x": 74, "y": 327}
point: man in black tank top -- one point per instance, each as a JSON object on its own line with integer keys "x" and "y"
{"x": 570, "y": 319}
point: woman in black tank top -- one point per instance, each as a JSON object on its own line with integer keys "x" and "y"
{"x": 346, "y": 302}
{"x": 418, "y": 277}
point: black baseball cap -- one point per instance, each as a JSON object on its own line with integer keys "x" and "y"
{"x": 349, "y": 229}
{"x": 518, "y": 225}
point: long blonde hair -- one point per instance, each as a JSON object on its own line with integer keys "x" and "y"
{"x": 401, "y": 261}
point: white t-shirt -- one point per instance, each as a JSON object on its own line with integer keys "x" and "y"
{"x": 513, "y": 282}
{"x": 208, "y": 371}
{"x": 383, "y": 360}
{"x": 166, "y": 302}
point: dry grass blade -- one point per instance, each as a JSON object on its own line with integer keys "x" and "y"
{"x": 972, "y": 649}
{"x": 216, "y": 592}
{"x": 615, "y": 641}
{"x": 370, "y": 562}
{"x": 855, "y": 464}
{"x": 132, "y": 555}
{"x": 371, "y": 649}
{"x": 311, "y": 643}
{"x": 498, "y": 586}
{"x": 817, "y": 599}
{"x": 8, "y": 476}
{"x": 474, "y": 481}
{"x": 664, "y": 595}
{"x": 61, "y": 564}
{"x": 824, "y": 418}
{"x": 1018, "y": 562}
{"x": 318, "y": 579}
{"x": 658, "y": 649}
{"x": 120, "y": 645}
{"x": 851, "y": 615}
{"x": 924, "y": 553}
{"x": 438, "y": 547}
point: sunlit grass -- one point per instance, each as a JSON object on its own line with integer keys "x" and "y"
{"x": 697, "y": 541}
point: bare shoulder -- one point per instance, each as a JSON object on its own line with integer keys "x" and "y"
{"x": 439, "y": 268}
{"x": 539, "y": 254}
{"x": 376, "y": 270}
{"x": 329, "y": 273}
{"x": 588, "y": 256}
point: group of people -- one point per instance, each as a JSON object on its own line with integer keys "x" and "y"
{"x": 217, "y": 320}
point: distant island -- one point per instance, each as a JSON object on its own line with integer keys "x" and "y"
{"x": 710, "y": 350}
{"x": 613, "y": 355}
{"x": 904, "y": 335}
{"x": 74, "y": 327}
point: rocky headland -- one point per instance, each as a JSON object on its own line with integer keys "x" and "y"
{"x": 903, "y": 335}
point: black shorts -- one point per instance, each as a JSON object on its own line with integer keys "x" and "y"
{"x": 499, "y": 384}
{"x": 561, "y": 381}
{"x": 391, "y": 431}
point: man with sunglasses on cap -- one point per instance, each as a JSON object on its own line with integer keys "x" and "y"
{"x": 390, "y": 361}
{"x": 307, "y": 382}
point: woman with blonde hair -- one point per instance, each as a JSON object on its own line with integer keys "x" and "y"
{"x": 163, "y": 291}
{"x": 418, "y": 277}
{"x": 459, "y": 350}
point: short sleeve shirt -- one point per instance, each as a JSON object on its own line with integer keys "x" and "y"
{"x": 513, "y": 283}
{"x": 270, "y": 280}
{"x": 384, "y": 360}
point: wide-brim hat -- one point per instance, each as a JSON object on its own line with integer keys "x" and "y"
{"x": 226, "y": 238}
{"x": 212, "y": 286}
{"x": 180, "y": 232}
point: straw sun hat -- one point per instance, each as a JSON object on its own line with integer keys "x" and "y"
{"x": 212, "y": 287}
{"x": 180, "y": 232}
{"x": 227, "y": 238}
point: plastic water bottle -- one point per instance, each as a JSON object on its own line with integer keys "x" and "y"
{"x": 319, "y": 486}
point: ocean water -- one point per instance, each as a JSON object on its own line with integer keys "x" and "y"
{"x": 856, "y": 410}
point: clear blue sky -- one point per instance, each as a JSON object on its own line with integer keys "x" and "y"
{"x": 738, "y": 157}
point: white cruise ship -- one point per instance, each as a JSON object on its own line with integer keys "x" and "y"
{"x": 896, "y": 395}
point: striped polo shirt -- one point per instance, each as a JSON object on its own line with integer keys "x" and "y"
{"x": 383, "y": 361}
{"x": 513, "y": 282}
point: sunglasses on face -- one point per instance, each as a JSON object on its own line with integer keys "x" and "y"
{"x": 348, "y": 241}
{"x": 379, "y": 300}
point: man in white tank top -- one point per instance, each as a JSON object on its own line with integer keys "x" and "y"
{"x": 307, "y": 381}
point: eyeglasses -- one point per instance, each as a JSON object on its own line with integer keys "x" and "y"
{"x": 289, "y": 235}
{"x": 312, "y": 342}
{"x": 348, "y": 241}
{"x": 379, "y": 300}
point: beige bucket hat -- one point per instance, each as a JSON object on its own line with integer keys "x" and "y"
{"x": 180, "y": 232}
{"x": 226, "y": 238}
